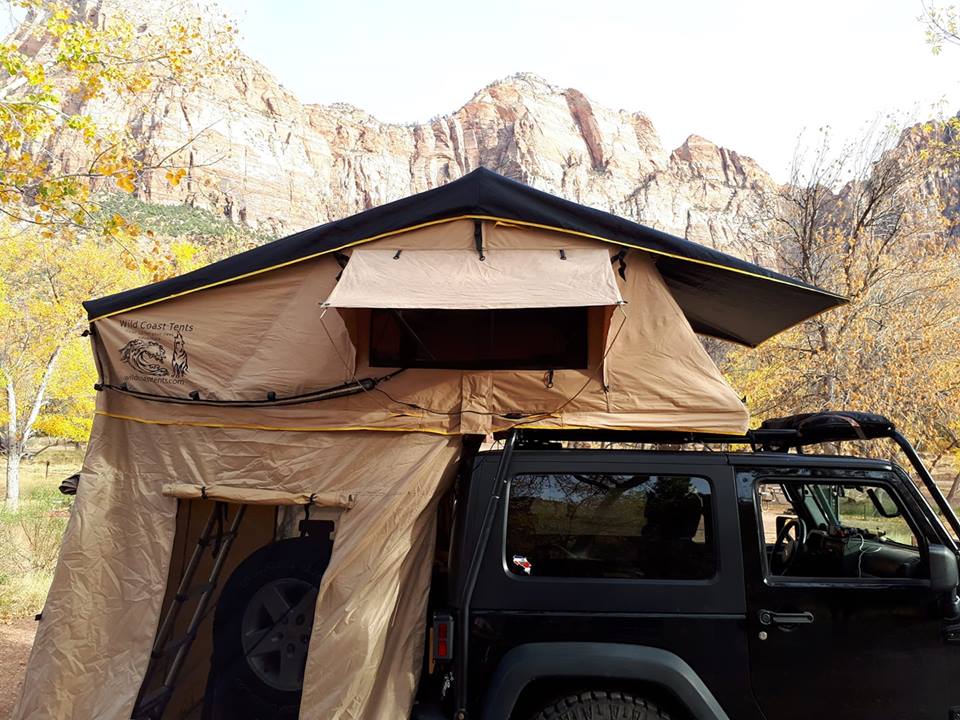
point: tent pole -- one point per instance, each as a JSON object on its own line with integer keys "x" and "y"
{"x": 935, "y": 492}
{"x": 497, "y": 492}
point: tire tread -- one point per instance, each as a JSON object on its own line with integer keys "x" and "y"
{"x": 602, "y": 705}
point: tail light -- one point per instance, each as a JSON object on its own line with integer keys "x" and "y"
{"x": 442, "y": 636}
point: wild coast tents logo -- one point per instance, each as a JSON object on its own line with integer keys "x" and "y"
{"x": 145, "y": 356}
{"x": 153, "y": 360}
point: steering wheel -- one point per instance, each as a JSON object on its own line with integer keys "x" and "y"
{"x": 789, "y": 544}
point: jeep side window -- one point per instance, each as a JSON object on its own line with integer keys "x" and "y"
{"x": 846, "y": 530}
{"x": 598, "y": 525}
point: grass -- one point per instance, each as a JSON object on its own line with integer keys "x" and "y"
{"x": 30, "y": 537}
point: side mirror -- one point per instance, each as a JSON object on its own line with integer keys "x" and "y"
{"x": 944, "y": 572}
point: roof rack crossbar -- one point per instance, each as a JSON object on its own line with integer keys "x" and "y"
{"x": 781, "y": 439}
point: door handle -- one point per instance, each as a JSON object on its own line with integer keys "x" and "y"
{"x": 768, "y": 617}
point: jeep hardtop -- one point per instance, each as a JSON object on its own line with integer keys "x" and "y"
{"x": 588, "y": 574}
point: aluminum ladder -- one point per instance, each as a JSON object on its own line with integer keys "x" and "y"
{"x": 152, "y": 706}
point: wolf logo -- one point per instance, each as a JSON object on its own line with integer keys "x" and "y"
{"x": 145, "y": 356}
{"x": 179, "y": 360}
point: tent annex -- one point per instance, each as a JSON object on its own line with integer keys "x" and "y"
{"x": 337, "y": 368}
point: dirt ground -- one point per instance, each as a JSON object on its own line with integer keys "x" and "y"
{"x": 16, "y": 637}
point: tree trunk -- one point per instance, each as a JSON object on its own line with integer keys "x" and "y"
{"x": 954, "y": 488}
{"x": 19, "y": 435}
{"x": 14, "y": 449}
{"x": 13, "y": 478}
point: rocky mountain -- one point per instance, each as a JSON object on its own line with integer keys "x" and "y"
{"x": 260, "y": 157}
{"x": 265, "y": 159}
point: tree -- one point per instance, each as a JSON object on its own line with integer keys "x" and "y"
{"x": 43, "y": 282}
{"x": 856, "y": 225}
{"x": 44, "y": 361}
{"x": 942, "y": 25}
{"x": 71, "y": 80}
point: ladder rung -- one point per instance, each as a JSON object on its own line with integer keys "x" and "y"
{"x": 220, "y": 537}
{"x": 215, "y": 538}
{"x": 154, "y": 704}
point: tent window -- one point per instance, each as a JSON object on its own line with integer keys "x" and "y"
{"x": 515, "y": 339}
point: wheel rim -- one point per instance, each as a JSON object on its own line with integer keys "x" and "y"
{"x": 275, "y": 632}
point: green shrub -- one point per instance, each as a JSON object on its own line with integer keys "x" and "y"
{"x": 177, "y": 221}
{"x": 30, "y": 538}
{"x": 23, "y": 595}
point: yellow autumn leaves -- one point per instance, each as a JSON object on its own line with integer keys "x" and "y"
{"x": 75, "y": 81}
{"x": 81, "y": 81}
{"x": 175, "y": 176}
{"x": 895, "y": 348}
{"x": 43, "y": 281}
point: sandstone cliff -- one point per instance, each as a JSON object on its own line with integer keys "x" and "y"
{"x": 271, "y": 162}
{"x": 262, "y": 158}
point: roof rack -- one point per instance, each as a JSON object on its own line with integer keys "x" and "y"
{"x": 777, "y": 434}
{"x": 760, "y": 439}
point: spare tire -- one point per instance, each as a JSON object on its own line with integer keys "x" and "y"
{"x": 261, "y": 631}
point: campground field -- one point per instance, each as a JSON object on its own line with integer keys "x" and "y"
{"x": 16, "y": 639}
{"x": 30, "y": 539}
{"x": 30, "y": 536}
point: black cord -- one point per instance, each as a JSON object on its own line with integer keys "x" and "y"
{"x": 365, "y": 385}
{"x": 352, "y": 388}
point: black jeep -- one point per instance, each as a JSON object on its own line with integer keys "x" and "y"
{"x": 580, "y": 578}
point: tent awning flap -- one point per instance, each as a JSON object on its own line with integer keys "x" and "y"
{"x": 460, "y": 280}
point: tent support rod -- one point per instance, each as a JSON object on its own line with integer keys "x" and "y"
{"x": 463, "y": 625}
{"x": 478, "y": 238}
{"x": 935, "y": 492}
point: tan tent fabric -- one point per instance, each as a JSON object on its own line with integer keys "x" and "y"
{"x": 236, "y": 339}
{"x": 655, "y": 375}
{"x": 460, "y": 280}
{"x": 230, "y": 366}
{"x": 94, "y": 641}
{"x": 256, "y": 496}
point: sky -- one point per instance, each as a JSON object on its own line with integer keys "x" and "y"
{"x": 748, "y": 75}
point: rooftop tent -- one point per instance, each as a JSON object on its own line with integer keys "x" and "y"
{"x": 720, "y": 295}
{"x": 338, "y": 368}
{"x": 466, "y": 326}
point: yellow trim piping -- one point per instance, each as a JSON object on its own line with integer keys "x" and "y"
{"x": 454, "y": 219}
{"x": 244, "y": 426}
{"x": 357, "y": 428}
